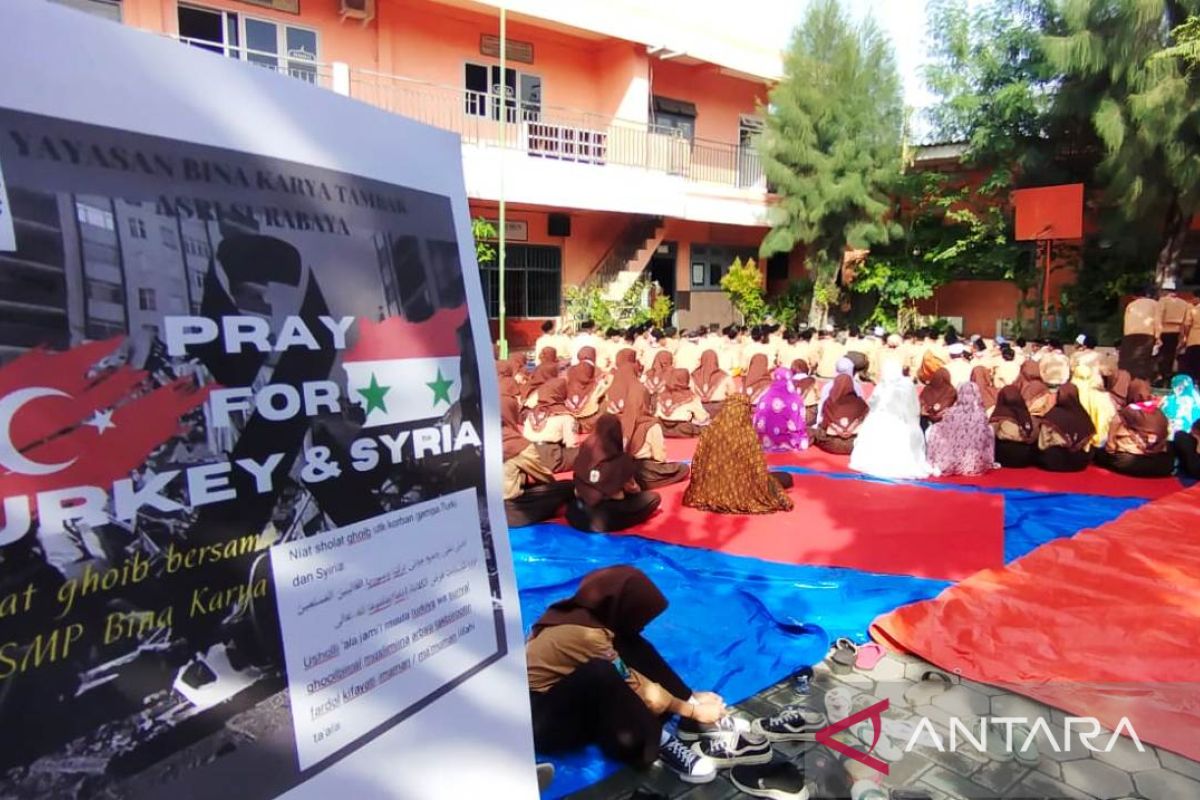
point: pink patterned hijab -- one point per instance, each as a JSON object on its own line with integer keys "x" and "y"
{"x": 963, "y": 443}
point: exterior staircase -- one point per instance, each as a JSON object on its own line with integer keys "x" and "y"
{"x": 626, "y": 260}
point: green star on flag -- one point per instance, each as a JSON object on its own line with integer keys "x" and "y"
{"x": 373, "y": 394}
{"x": 441, "y": 388}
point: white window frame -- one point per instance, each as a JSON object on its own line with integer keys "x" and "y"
{"x": 490, "y": 99}
{"x": 242, "y": 51}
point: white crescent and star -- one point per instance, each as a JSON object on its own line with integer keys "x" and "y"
{"x": 11, "y": 458}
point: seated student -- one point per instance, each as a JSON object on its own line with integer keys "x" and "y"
{"x": 687, "y": 352}
{"x": 890, "y": 443}
{"x": 757, "y": 378}
{"x": 806, "y": 387}
{"x": 779, "y": 415}
{"x": 758, "y": 345}
{"x": 963, "y": 442}
{"x": 1117, "y": 386}
{"x": 509, "y": 383}
{"x": 845, "y": 367}
{"x": 982, "y": 378}
{"x": 1139, "y": 441}
{"x": 607, "y": 494}
{"x": 938, "y": 397}
{"x": 1065, "y": 434}
{"x": 595, "y": 679}
{"x": 552, "y": 339}
{"x": 585, "y": 338}
{"x": 585, "y": 390}
{"x": 841, "y": 416}
{"x": 1097, "y": 402}
{"x": 731, "y": 351}
{"x": 711, "y": 383}
{"x": 1054, "y": 365}
{"x": 627, "y": 357}
{"x": 1183, "y": 404}
{"x": 729, "y": 473}
{"x": 550, "y": 426}
{"x": 546, "y": 370}
{"x": 642, "y": 432}
{"x": 659, "y": 373}
{"x": 1038, "y": 397}
{"x": 1087, "y": 355}
{"x": 959, "y": 365}
{"x": 1187, "y": 447}
{"x": 831, "y": 352}
{"x": 1007, "y": 369}
{"x": 679, "y": 410}
{"x": 1015, "y": 428}
{"x": 531, "y": 494}
{"x": 891, "y": 350}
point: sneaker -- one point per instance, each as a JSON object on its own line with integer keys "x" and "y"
{"x": 692, "y": 731}
{"x": 735, "y": 748}
{"x": 778, "y": 781}
{"x": 689, "y": 766}
{"x": 796, "y": 723}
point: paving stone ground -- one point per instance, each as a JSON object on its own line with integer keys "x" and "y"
{"x": 961, "y": 774}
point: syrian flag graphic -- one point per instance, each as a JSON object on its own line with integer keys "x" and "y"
{"x": 401, "y": 371}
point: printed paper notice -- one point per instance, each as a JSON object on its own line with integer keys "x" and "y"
{"x": 379, "y": 615}
{"x": 8, "y": 237}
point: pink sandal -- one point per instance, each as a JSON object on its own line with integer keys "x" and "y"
{"x": 869, "y": 655}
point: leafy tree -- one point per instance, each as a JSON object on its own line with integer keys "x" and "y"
{"x": 832, "y": 144}
{"x": 1187, "y": 43}
{"x": 790, "y": 308}
{"x": 484, "y": 234}
{"x": 746, "y": 287}
{"x": 1145, "y": 110}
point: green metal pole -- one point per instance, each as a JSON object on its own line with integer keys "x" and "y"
{"x": 503, "y": 100}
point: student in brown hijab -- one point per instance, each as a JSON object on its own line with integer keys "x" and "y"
{"x": 660, "y": 372}
{"x": 531, "y": 494}
{"x": 1065, "y": 435}
{"x": 841, "y": 417}
{"x": 1038, "y": 397}
{"x": 757, "y": 378}
{"x": 506, "y": 377}
{"x": 645, "y": 440}
{"x": 729, "y": 472}
{"x": 546, "y": 370}
{"x": 1139, "y": 437}
{"x": 937, "y": 397}
{"x": 679, "y": 410}
{"x": 628, "y": 356}
{"x": 607, "y": 494}
{"x": 1118, "y": 387}
{"x": 988, "y": 393}
{"x": 1016, "y": 430}
{"x": 595, "y": 678}
{"x": 550, "y": 426}
{"x": 710, "y": 382}
{"x": 806, "y": 386}
{"x": 586, "y": 388}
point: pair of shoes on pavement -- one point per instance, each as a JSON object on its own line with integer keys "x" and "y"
{"x": 698, "y": 749}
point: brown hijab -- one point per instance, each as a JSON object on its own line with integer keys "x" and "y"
{"x": 628, "y": 356}
{"x": 678, "y": 391}
{"x": 1030, "y": 382}
{"x": 1011, "y": 406}
{"x": 843, "y": 404}
{"x": 1118, "y": 387}
{"x": 508, "y": 384}
{"x": 988, "y": 393}
{"x": 551, "y": 401}
{"x": 708, "y": 376}
{"x": 621, "y": 599}
{"x": 729, "y": 472}
{"x": 629, "y": 400}
{"x": 1070, "y": 418}
{"x": 513, "y": 441}
{"x": 546, "y": 370}
{"x": 938, "y": 396}
{"x": 758, "y": 376}
{"x": 586, "y": 354}
{"x": 602, "y": 468}
{"x": 1144, "y": 419}
{"x": 660, "y": 372}
{"x": 803, "y": 385}
{"x": 582, "y": 380}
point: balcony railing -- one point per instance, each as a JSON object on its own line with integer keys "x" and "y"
{"x": 540, "y": 131}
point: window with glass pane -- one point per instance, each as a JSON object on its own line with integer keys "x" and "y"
{"x": 262, "y": 43}
{"x": 475, "y": 81}
{"x": 532, "y": 282}
{"x": 508, "y": 91}
{"x": 302, "y": 54}
{"x": 531, "y": 98}
{"x": 208, "y": 29}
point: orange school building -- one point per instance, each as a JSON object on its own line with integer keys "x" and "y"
{"x": 628, "y": 128}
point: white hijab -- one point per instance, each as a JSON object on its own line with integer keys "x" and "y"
{"x": 890, "y": 443}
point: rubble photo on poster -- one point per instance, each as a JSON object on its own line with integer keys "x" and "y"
{"x": 241, "y": 464}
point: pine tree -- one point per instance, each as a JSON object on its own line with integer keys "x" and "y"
{"x": 1144, "y": 108}
{"x": 833, "y": 142}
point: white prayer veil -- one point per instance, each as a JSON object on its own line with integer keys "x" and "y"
{"x": 890, "y": 443}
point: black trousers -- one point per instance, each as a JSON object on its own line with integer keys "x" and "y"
{"x": 1166, "y": 356}
{"x": 1137, "y": 355}
{"x": 657, "y": 474}
{"x": 837, "y": 445}
{"x": 1060, "y": 459}
{"x": 594, "y": 704}
{"x": 613, "y": 515}
{"x": 1015, "y": 455}
{"x": 1189, "y": 458}
{"x": 1161, "y": 465}
{"x": 538, "y": 503}
{"x": 556, "y": 457}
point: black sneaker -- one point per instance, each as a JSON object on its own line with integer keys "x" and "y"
{"x": 796, "y": 723}
{"x": 779, "y": 781}
{"x": 735, "y": 748}
{"x": 689, "y": 766}
{"x": 692, "y": 731}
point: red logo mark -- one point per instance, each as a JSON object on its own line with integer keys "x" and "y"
{"x": 873, "y": 713}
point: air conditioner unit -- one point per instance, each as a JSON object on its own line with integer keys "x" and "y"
{"x": 357, "y": 9}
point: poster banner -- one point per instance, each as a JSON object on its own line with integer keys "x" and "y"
{"x": 245, "y": 449}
